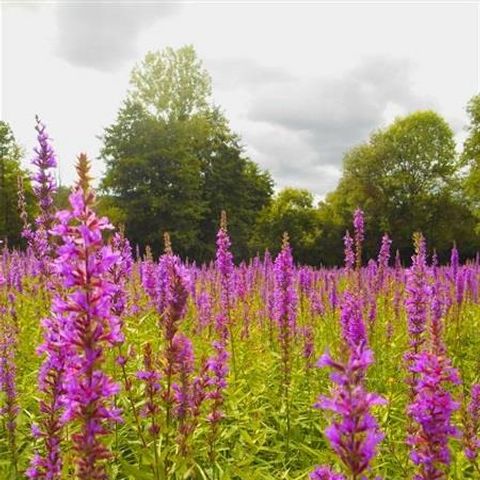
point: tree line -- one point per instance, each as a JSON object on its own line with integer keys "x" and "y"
{"x": 173, "y": 164}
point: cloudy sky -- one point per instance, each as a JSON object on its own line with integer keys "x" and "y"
{"x": 301, "y": 82}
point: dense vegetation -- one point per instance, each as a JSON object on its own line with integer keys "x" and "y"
{"x": 121, "y": 366}
{"x": 173, "y": 164}
{"x": 141, "y": 369}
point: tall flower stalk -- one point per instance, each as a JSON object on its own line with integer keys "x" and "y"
{"x": 174, "y": 290}
{"x": 44, "y": 188}
{"x": 45, "y": 185}
{"x": 471, "y": 434}
{"x": 432, "y": 411}
{"x": 224, "y": 265}
{"x": 285, "y": 298}
{"x": 9, "y": 407}
{"x": 417, "y": 297}
{"x": 47, "y": 462}
{"x": 359, "y": 235}
{"x": 217, "y": 367}
{"x": 83, "y": 264}
{"x": 354, "y": 432}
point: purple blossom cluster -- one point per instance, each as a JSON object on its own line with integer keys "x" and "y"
{"x": 471, "y": 436}
{"x": 354, "y": 433}
{"x": 417, "y": 296}
{"x": 90, "y": 327}
{"x": 285, "y": 306}
{"x": 432, "y": 411}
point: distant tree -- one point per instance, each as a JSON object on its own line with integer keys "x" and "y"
{"x": 173, "y": 163}
{"x": 471, "y": 157}
{"x": 291, "y": 211}
{"x": 171, "y": 84}
{"x": 10, "y": 171}
{"x": 406, "y": 179}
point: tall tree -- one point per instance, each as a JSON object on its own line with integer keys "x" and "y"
{"x": 471, "y": 157}
{"x": 173, "y": 163}
{"x": 406, "y": 179}
{"x": 10, "y": 171}
{"x": 291, "y": 211}
{"x": 171, "y": 84}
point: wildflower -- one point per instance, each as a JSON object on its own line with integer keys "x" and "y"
{"x": 359, "y": 228}
{"x": 324, "y": 473}
{"x": 349, "y": 254}
{"x": 471, "y": 436}
{"x": 417, "y": 295}
{"x": 354, "y": 433}
{"x": 353, "y": 327}
{"x": 51, "y": 385}
{"x": 44, "y": 181}
{"x": 83, "y": 264}
{"x": 383, "y": 258}
{"x": 432, "y": 410}
{"x": 217, "y": 367}
{"x": 224, "y": 266}
{"x": 8, "y": 388}
{"x": 285, "y": 298}
{"x": 151, "y": 377}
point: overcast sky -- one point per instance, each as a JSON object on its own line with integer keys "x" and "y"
{"x": 300, "y": 82}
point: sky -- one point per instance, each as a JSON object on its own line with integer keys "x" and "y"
{"x": 301, "y": 82}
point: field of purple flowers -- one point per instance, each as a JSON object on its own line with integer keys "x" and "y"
{"x": 118, "y": 366}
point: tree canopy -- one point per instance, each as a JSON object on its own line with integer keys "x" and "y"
{"x": 10, "y": 172}
{"x": 405, "y": 178}
{"x": 173, "y": 163}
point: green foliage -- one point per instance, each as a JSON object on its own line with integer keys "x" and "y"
{"x": 405, "y": 178}
{"x": 173, "y": 164}
{"x": 10, "y": 172}
{"x": 471, "y": 157}
{"x": 171, "y": 84}
{"x": 291, "y": 211}
{"x": 253, "y": 436}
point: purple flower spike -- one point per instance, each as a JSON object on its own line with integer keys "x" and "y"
{"x": 354, "y": 433}
{"x": 84, "y": 265}
{"x": 324, "y": 473}
{"x": 432, "y": 411}
{"x": 417, "y": 299}
{"x": 224, "y": 265}
{"x": 359, "y": 228}
{"x": 472, "y": 428}
{"x": 45, "y": 185}
{"x": 285, "y": 310}
{"x": 349, "y": 253}
{"x": 353, "y": 327}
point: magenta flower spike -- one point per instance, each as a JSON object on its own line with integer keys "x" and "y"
{"x": 47, "y": 462}
{"x": 471, "y": 434}
{"x": 359, "y": 234}
{"x": 217, "y": 371}
{"x": 9, "y": 408}
{"x": 351, "y": 319}
{"x": 383, "y": 259}
{"x": 354, "y": 433}
{"x": 224, "y": 266}
{"x": 324, "y": 473}
{"x": 432, "y": 410}
{"x": 417, "y": 296}
{"x": 285, "y": 298}
{"x": 349, "y": 253}
{"x": 83, "y": 265}
{"x": 45, "y": 185}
